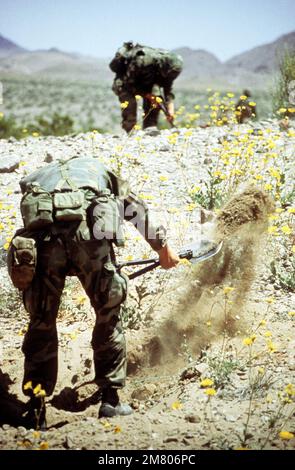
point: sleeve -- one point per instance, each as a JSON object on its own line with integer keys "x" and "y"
{"x": 138, "y": 213}
{"x": 168, "y": 94}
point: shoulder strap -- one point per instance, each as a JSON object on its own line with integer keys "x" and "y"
{"x": 65, "y": 178}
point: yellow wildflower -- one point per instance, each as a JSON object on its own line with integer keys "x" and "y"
{"x": 176, "y": 405}
{"x": 286, "y": 230}
{"x": 206, "y": 383}
{"x": 117, "y": 429}
{"x": 43, "y": 445}
{"x": 271, "y": 347}
{"x": 249, "y": 340}
{"x": 291, "y": 313}
{"x": 286, "y": 435}
{"x": 290, "y": 390}
{"x": 125, "y": 104}
{"x": 37, "y": 389}
{"x": 210, "y": 392}
{"x": 28, "y": 385}
{"x": 269, "y": 300}
{"x": 227, "y": 290}
{"x": 272, "y": 230}
{"x": 163, "y": 178}
{"x": 268, "y": 334}
{"x": 268, "y": 187}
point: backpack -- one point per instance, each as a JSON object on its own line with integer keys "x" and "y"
{"x": 75, "y": 190}
{"x": 146, "y": 62}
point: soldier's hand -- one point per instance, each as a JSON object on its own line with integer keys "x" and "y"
{"x": 168, "y": 258}
{"x": 170, "y": 109}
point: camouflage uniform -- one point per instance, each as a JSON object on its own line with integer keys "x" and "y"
{"x": 142, "y": 70}
{"x": 71, "y": 249}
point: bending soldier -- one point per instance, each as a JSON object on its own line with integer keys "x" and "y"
{"x": 71, "y": 218}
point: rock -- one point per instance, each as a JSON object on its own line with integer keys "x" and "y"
{"x": 189, "y": 373}
{"x": 164, "y": 148}
{"x": 144, "y": 392}
{"x": 5, "y": 427}
{"x": 231, "y": 418}
{"x": 69, "y": 442}
{"x": 9, "y": 164}
{"x": 48, "y": 158}
{"x": 170, "y": 439}
{"x": 193, "y": 418}
{"x": 152, "y": 131}
{"x": 202, "y": 368}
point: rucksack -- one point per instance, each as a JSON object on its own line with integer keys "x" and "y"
{"x": 146, "y": 61}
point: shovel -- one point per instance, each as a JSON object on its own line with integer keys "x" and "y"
{"x": 195, "y": 253}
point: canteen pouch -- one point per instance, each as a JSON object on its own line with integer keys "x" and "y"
{"x": 21, "y": 261}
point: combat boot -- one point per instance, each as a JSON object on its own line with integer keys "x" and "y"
{"x": 111, "y": 405}
{"x": 35, "y": 417}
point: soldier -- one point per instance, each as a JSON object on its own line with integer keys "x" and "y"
{"x": 143, "y": 71}
{"x": 71, "y": 219}
{"x": 245, "y": 108}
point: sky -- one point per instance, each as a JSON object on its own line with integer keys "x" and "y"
{"x": 99, "y": 27}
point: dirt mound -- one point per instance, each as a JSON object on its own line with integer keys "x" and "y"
{"x": 215, "y": 291}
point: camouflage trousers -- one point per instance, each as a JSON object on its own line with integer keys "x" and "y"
{"x": 91, "y": 261}
{"x": 129, "y": 114}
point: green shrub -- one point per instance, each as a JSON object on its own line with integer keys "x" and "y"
{"x": 281, "y": 94}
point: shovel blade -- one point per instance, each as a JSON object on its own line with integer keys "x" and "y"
{"x": 201, "y": 250}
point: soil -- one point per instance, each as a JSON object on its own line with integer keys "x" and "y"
{"x": 194, "y": 331}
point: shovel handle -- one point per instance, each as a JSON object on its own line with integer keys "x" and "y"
{"x": 144, "y": 270}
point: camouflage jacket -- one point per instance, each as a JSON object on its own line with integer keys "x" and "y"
{"x": 89, "y": 174}
{"x": 139, "y": 68}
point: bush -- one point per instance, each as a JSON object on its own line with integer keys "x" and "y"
{"x": 9, "y": 128}
{"x": 282, "y": 92}
{"x": 58, "y": 125}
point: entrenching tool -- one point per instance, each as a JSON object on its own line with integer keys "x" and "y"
{"x": 195, "y": 253}
{"x": 157, "y": 101}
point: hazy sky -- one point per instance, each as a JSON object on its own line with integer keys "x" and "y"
{"x": 98, "y": 27}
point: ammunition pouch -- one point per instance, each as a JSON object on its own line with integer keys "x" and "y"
{"x": 113, "y": 287}
{"x": 69, "y": 206}
{"x": 106, "y": 219}
{"x": 21, "y": 261}
{"x": 36, "y": 209}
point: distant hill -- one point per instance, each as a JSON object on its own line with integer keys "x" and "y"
{"x": 253, "y": 68}
{"x": 198, "y": 63}
{"x": 54, "y": 63}
{"x": 266, "y": 58}
{"x": 8, "y": 47}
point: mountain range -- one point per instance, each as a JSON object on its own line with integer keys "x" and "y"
{"x": 252, "y": 67}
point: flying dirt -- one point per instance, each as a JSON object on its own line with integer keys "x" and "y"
{"x": 199, "y": 315}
